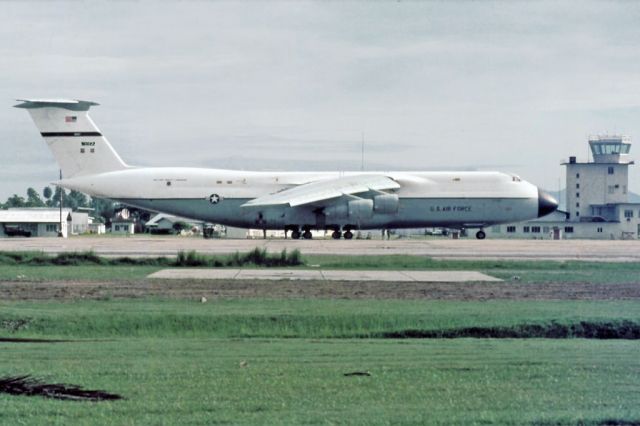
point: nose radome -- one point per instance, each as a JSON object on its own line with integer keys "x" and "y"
{"x": 546, "y": 203}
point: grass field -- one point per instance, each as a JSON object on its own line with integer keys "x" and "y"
{"x": 283, "y": 361}
{"x": 252, "y": 318}
{"x": 88, "y": 266}
{"x": 301, "y": 381}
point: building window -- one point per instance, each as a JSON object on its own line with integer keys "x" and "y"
{"x": 577, "y": 204}
{"x": 577, "y": 195}
{"x": 610, "y": 170}
{"x": 52, "y": 227}
{"x": 577, "y": 186}
{"x": 511, "y": 229}
{"x": 219, "y": 182}
{"x": 628, "y": 214}
{"x": 525, "y": 229}
{"x": 81, "y": 150}
{"x": 599, "y": 229}
{"x": 93, "y": 150}
{"x": 568, "y": 229}
{"x": 117, "y": 227}
{"x": 577, "y": 214}
{"x": 545, "y": 229}
{"x": 577, "y": 175}
{"x": 611, "y": 189}
{"x": 535, "y": 229}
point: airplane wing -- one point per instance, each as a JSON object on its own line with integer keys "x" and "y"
{"x": 326, "y": 189}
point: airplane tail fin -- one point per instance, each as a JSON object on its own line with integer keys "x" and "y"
{"x": 75, "y": 141}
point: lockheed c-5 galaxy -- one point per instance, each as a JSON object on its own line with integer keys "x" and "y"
{"x": 293, "y": 201}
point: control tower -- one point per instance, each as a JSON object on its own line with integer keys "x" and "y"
{"x": 594, "y": 188}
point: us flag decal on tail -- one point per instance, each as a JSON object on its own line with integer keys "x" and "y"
{"x": 70, "y": 119}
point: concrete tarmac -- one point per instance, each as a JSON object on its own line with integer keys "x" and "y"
{"x": 144, "y": 245}
{"x": 323, "y": 275}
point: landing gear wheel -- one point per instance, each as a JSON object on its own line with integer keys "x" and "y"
{"x": 306, "y": 235}
{"x": 348, "y": 235}
{"x": 295, "y": 234}
{"x": 336, "y": 235}
{"x": 480, "y": 235}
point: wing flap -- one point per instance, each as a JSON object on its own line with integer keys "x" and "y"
{"x": 326, "y": 189}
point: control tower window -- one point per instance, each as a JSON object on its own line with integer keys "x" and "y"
{"x": 610, "y": 170}
{"x": 577, "y": 175}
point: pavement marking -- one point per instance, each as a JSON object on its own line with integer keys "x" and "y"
{"x": 322, "y": 275}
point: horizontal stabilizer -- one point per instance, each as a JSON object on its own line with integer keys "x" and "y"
{"x": 70, "y": 104}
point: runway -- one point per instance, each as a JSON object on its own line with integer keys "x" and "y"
{"x": 592, "y": 250}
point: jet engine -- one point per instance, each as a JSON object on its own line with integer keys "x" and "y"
{"x": 337, "y": 211}
{"x": 360, "y": 209}
{"x": 386, "y": 203}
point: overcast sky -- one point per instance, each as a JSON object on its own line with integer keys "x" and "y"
{"x": 477, "y": 85}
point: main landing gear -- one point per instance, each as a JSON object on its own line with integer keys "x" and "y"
{"x": 347, "y": 234}
{"x": 481, "y": 235}
{"x": 296, "y": 234}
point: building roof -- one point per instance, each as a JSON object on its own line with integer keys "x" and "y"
{"x": 33, "y": 215}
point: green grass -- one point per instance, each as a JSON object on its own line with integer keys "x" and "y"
{"x": 250, "y": 361}
{"x": 201, "y": 381}
{"x": 75, "y": 273}
{"x": 36, "y": 266}
{"x": 290, "y": 318}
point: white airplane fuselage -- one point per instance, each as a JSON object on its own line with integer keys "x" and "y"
{"x": 426, "y": 199}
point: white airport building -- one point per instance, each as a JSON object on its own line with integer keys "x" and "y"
{"x": 41, "y": 222}
{"x": 597, "y": 199}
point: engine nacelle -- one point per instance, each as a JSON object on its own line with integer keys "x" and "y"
{"x": 360, "y": 209}
{"x": 337, "y": 211}
{"x": 386, "y": 203}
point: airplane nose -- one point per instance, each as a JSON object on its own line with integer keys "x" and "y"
{"x": 546, "y": 203}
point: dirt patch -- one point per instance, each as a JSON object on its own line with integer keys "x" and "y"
{"x": 584, "y": 329}
{"x": 28, "y": 386}
{"x": 212, "y": 289}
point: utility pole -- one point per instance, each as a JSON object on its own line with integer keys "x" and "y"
{"x": 60, "y": 188}
{"x": 362, "y": 154}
